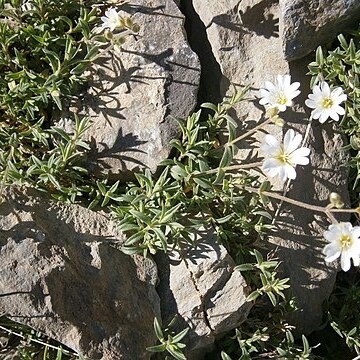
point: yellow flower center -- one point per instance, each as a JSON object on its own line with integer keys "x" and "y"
{"x": 345, "y": 241}
{"x": 327, "y": 103}
{"x": 281, "y": 99}
{"x": 283, "y": 156}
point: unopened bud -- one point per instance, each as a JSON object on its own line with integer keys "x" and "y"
{"x": 136, "y": 28}
{"x": 272, "y": 112}
{"x": 108, "y": 34}
{"x": 216, "y": 143}
{"x": 129, "y": 23}
{"x": 335, "y": 200}
{"x": 277, "y": 120}
{"x": 121, "y": 24}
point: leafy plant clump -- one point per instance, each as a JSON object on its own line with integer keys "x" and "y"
{"x": 46, "y": 46}
{"x": 339, "y": 65}
{"x": 196, "y": 189}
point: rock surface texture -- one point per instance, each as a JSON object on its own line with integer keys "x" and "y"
{"x": 307, "y": 24}
{"x": 135, "y": 94}
{"x": 61, "y": 273}
{"x": 201, "y": 287}
{"x": 246, "y": 43}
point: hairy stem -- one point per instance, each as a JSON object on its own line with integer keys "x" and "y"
{"x": 231, "y": 167}
{"x": 251, "y": 131}
{"x": 299, "y": 203}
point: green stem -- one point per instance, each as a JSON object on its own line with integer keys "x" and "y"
{"x": 251, "y": 131}
{"x": 231, "y": 168}
{"x": 299, "y": 203}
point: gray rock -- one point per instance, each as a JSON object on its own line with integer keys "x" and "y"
{"x": 201, "y": 287}
{"x": 135, "y": 94}
{"x": 62, "y": 273}
{"x": 244, "y": 36}
{"x": 307, "y": 24}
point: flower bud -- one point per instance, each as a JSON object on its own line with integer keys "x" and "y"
{"x": 277, "y": 120}
{"x": 108, "y": 34}
{"x": 128, "y": 22}
{"x": 335, "y": 200}
{"x": 272, "y": 111}
{"x": 136, "y": 28}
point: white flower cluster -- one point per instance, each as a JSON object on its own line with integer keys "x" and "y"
{"x": 281, "y": 158}
{"x": 324, "y": 101}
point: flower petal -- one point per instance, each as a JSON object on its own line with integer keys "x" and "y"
{"x": 345, "y": 261}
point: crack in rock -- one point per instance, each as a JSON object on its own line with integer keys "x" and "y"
{"x": 213, "y": 83}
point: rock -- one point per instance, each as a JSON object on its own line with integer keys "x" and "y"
{"x": 62, "y": 273}
{"x": 134, "y": 95}
{"x": 307, "y": 24}
{"x": 244, "y": 36}
{"x": 201, "y": 287}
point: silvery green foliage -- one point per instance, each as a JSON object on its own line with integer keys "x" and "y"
{"x": 169, "y": 342}
{"x": 194, "y": 189}
{"x": 46, "y": 46}
{"x": 340, "y": 66}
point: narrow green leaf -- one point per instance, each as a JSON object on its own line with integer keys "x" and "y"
{"x": 180, "y": 335}
{"x": 161, "y": 236}
{"x": 209, "y": 106}
{"x": 157, "y": 348}
{"x": 244, "y": 267}
{"x": 253, "y": 296}
{"x": 225, "y": 356}
{"x": 226, "y": 158}
{"x": 157, "y": 328}
{"x": 169, "y": 214}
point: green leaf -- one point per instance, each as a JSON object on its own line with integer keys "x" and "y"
{"x": 231, "y": 121}
{"x": 244, "y": 267}
{"x": 253, "y": 296}
{"x": 272, "y": 298}
{"x": 219, "y": 176}
{"x": 157, "y": 328}
{"x": 134, "y": 238}
{"x": 169, "y": 214}
{"x": 128, "y": 227}
{"x": 204, "y": 183}
{"x": 319, "y": 56}
{"x": 305, "y": 345}
{"x": 177, "y": 354}
{"x": 209, "y": 106}
{"x": 226, "y": 158}
{"x": 343, "y": 41}
{"x": 225, "y": 356}
{"x": 61, "y": 132}
{"x": 225, "y": 219}
{"x": 157, "y": 348}
{"x": 178, "y": 172}
{"x": 141, "y": 216}
{"x": 161, "y": 236}
{"x": 180, "y": 335}
{"x": 259, "y": 257}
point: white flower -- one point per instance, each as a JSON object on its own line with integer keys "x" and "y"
{"x": 111, "y": 20}
{"x": 281, "y": 158}
{"x": 279, "y": 95}
{"x": 344, "y": 241}
{"x": 326, "y": 102}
